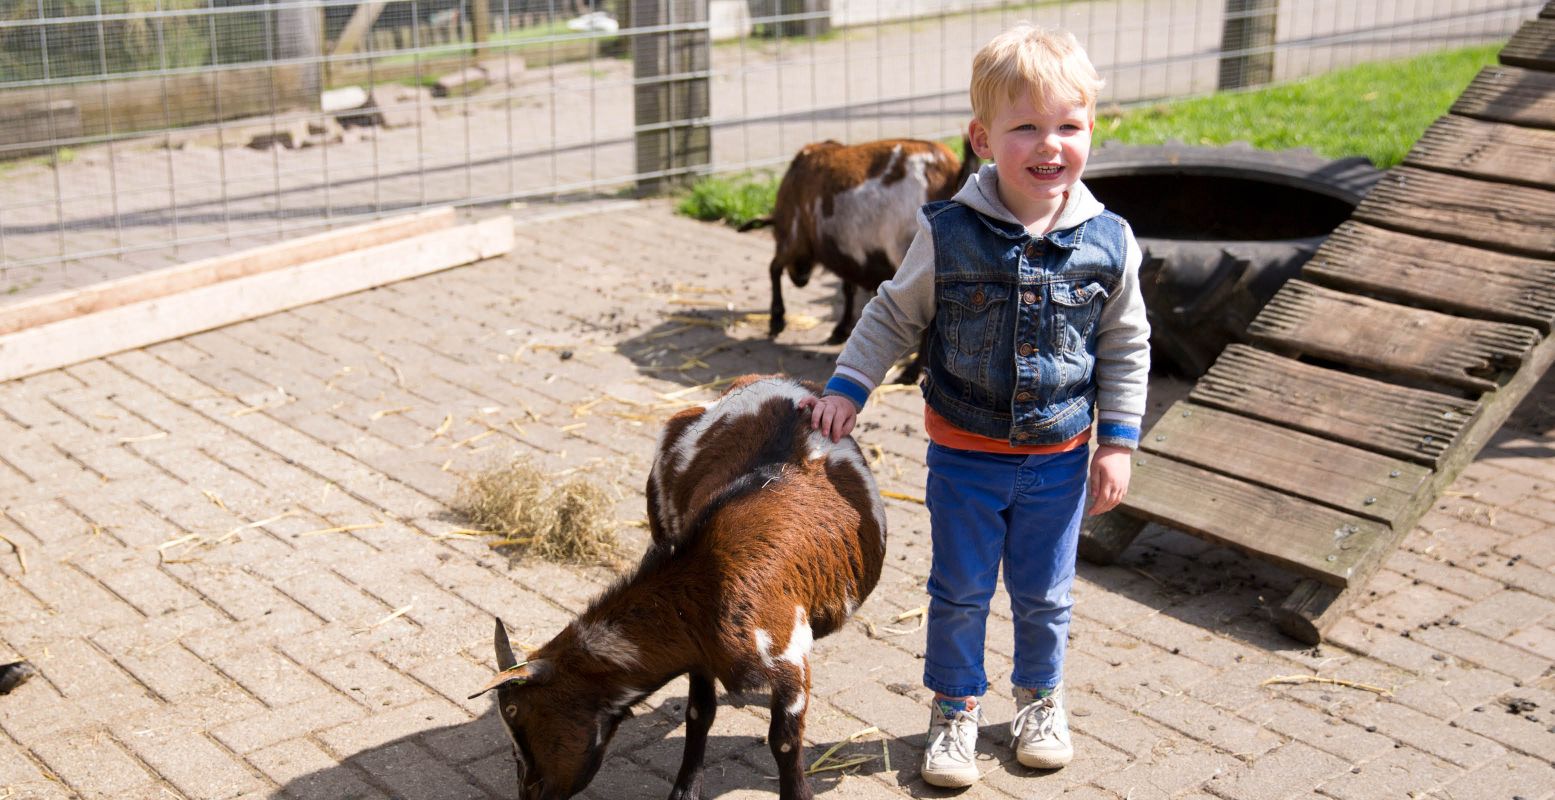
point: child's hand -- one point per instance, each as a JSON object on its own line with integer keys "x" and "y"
{"x": 1110, "y": 469}
{"x": 832, "y": 415}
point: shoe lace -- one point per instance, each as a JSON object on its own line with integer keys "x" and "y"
{"x": 1038, "y": 714}
{"x": 955, "y": 737}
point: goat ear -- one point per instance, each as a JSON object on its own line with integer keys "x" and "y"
{"x": 521, "y": 674}
{"x": 505, "y": 659}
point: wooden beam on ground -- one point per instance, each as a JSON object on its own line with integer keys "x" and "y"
{"x": 1532, "y": 47}
{"x": 1346, "y": 478}
{"x": 1495, "y": 216}
{"x": 184, "y": 277}
{"x": 1411, "y": 424}
{"x": 126, "y": 327}
{"x": 1309, "y": 320}
{"x": 1488, "y": 150}
{"x": 1452, "y": 278}
{"x": 1510, "y": 94}
{"x": 1317, "y": 541}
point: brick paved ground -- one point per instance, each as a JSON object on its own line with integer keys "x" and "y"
{"x": 200, "y": 635}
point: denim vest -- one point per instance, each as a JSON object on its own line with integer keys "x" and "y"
{"x": 1011, "y": 352}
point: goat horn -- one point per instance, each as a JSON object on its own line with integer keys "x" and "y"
{"x": 505, "y": 658}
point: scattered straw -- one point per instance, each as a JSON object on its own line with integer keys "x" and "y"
{"x": 448, "y": 422}
{"x": 714, "y": 384}
{"x": 387, "y": 412}
{"x": 392, "y": 615}
{"x": 214, "y": 498}
{"x": 921, "y": 613}
{"x": 520, "y": 505}
{"x": 360, "y": 526}
{"x": 1301, "y": 679}
{"x": 820, "y": 765}
{"x": 150, "y": 437}
{"x": 899, "y": 496}
{"x": 21, "y": 558}
{"x": 893, "y": 388}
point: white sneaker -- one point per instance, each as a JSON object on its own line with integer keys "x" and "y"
{"x": 950, "y": 760}
{"x": 1041, "y": 730}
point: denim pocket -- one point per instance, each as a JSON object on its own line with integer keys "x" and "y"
{"x": 1076, "y": 307}
{"x": 973, "y": 313}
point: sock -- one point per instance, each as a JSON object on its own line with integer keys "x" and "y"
{"x": 950, "y": 706}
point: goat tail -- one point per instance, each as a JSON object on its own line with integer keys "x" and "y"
{"x": 758, "y": 222}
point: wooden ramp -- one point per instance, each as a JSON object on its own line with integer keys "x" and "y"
{"x": 1378, "y": 375}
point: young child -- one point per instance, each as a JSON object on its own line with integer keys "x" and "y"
{"x": 1029, "y": 290}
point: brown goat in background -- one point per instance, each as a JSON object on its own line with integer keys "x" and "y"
{"x": 766, "y": 536}
{"x": 854, "y": 209}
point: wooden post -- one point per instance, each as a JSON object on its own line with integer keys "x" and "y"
{"x": 480, "y": 20}
{"x": 1247, "y": 43}
{"x": 299, "y": 34}
{"x": 672, "y": 98}
{"x": 805, "y": 27}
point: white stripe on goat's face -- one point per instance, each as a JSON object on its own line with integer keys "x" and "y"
{"x": 606, "y": 642}
{"x": 875, "y": 215}
{"x": 852, "y": 458}
{"x": 800, "y": 640}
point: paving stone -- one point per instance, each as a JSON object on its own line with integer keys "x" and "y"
{"x": 1507, "y": 776}
{"x": 1500, "y": 615}
{"x": 307, "y": 772}
{"x": 1401, "y": 772}
{"x": 1331, "y": 734}
{"x": 196, "y": 766}
{"x": 1212, "y": 726}
{"x": 1433, "y": 736}
{"x": 1289, "y": 771}
{"x": 92, "y": 764}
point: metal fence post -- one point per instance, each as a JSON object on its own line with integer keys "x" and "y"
{"x": 1247, "y": 43}
{"x": 672, "y": 96}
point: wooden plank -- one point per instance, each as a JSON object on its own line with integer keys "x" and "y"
{"x": 1496, "y": 216}
{"x": 1488, "y": 150}
{"x": 1103, "y": 538}
{"x": 1411, "y": 424}
{"x": 357, "y": 26}
{"x": 1533, "y": 46}
{"x": 77, "y": 339}
{"x": 1307, "y": 319}
{"x": 1453, "y": 278}
{"x": 1510, "y": 94}
{"x": 183, "y": 277}
{"x": 1312, "y": 608}
{"x": 1355, "y": 481}
{"x": 1316, "y": 541}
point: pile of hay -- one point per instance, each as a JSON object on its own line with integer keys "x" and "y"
{"x": 524, "y": 508}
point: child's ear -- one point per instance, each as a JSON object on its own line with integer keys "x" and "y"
{"x": 977, "y": 136}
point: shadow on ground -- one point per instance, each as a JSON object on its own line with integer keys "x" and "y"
{"x": 472, "y": 760}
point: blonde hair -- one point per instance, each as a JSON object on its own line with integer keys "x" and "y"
{"x": 1046, "y": 65}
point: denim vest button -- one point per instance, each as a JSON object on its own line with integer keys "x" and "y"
{"x": 1026, "y": 349}
{"x": 978, "y": 297}
{"x": 1023, "y": 397}
{"x": 1022, "y": 436}
{"x": 1028, "y": 297}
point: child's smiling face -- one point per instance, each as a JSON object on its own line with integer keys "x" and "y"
{"x": 1041, "y": 152}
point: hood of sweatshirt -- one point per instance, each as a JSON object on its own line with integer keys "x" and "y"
{"x": 981, "y": 194}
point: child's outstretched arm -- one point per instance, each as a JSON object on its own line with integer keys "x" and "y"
{"x": 892, "y": 322}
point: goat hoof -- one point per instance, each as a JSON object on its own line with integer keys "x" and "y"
{"x": 838, "y": 335}
{"x": 693, "y": 791}
{"x": 775, "y": 328}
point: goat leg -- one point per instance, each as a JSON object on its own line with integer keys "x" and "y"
{"x": 701, "y": 706}
{"x": 775, "y": 326}
{"x": 786, "y": 736}
{"x": 839, "y": 334}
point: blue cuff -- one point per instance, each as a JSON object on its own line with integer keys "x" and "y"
{"x": 1117, "y": 433}
{"x": 849, "y": 389}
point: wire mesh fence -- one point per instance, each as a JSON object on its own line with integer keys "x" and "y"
{"x": 136, "y": 133}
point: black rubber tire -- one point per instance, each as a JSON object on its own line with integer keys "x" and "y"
{"x": 1216, "y": 266}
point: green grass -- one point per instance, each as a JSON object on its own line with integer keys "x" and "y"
{"x": 735, "y": 199}
{"x": 1373, "y": 110}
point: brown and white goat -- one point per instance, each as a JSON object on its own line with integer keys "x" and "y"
{"x": 854, "y": 209}
{"x": 766, "y": 536}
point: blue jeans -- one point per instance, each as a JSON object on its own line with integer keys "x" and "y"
{"x": 1025, "y": 510}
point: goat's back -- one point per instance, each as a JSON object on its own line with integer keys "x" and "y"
{"x": 777, "y": 509}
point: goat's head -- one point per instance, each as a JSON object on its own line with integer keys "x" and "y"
{"x": 560, "y": 723}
